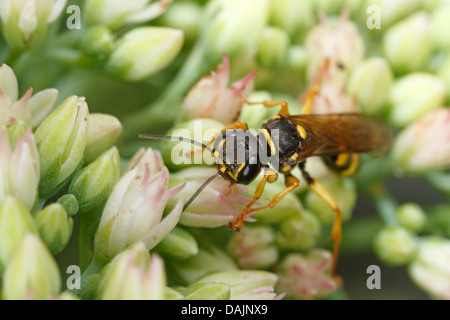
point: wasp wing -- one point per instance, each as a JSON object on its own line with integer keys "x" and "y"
{"x": 331, "y": 134}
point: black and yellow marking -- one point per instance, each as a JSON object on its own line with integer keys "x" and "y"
{"x": 345, "y": 164}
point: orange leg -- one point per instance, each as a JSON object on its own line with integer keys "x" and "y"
{"x": 269, "y": 176}
{"x": 314, "y": 91}
{"x": 336, "y": 231}
{"x": 268, "y": 104}
{"x": 291, "y": 183}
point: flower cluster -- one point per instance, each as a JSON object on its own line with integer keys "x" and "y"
{"x": 75, "y": 179}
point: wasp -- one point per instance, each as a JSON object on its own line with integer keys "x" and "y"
{"x": 337, "y": 138}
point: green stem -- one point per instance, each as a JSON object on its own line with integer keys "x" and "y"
{"x": 385, "y": 203}
{"x": 84, "y": 243}
{"x": 165, "y": 111}
{"x": 89, "y": 281}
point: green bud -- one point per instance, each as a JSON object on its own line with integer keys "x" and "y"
{"x": 97, "y": 41}
{"x": 223, "y": 36}
{"x": 411, "y": 216}
{"x": 245, "y": 284}
{"x": 93, "y": 184}
{"x": 142, "y": 52}
{"x": 430, "y": 269}
{"x": 294, "y": 16}
{"x": 184, "y": 16}
{"x": 15, "y": 223}
{"x": 300, "y": 232}
{"x": 25, "y": 23}
{"x": 254, "y": 247}
{"x": 394, "y": 10}
{"x": 32, "y": 274}
{"x": 415, "y": 95}
{"x": 439, "y": 25}
{"x": 273, "y": 45}
{"x": 444, "y": 74}
{"x": 103, "y": 131}
{"x": 342, "y": 190}
{"x": 66, "y": 295}
{"x": 255, "y": 115}
{"x": 133, "y": 275}
{"x": 209, "y": 259}
{"x": 178, "y": 244}
{"x": 41, "y": 104}
{"x": 371, "y": 82}
{"x": 172, "y": 294}
{"x": 16, "y": 130}
{"x": 297, "y": 58}
{"x": 409, "y": 35}
{"x": 70, "y": 204}
{"x": 61, "y": 139}
{"x": 177, "y": 155}
{"x": 395, "y": 245}
{"x": 54, "y": 226}
{"x": 208, "y": 291}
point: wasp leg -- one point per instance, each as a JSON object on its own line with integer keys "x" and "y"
{"x": 236, "y": 125}
{"x": 336, "y": 231}
{"x": 291, "y": 183}
{"x": 269, "y": 176}
{"x": 268, "y": 104}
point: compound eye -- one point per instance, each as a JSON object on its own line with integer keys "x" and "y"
{"x": 250, "y": 171}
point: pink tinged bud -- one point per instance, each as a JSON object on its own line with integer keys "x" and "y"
{"x": 24, "y": 170}
{"x": 307, "y": 277}
{"x": 340, "y": 43}
{"x": 134, "y": 212}
{"x": 425, "y": 144}
{"x": 213, "y": 98}
{"x": 5, "y": 154}
{"x": 216, "y": 205}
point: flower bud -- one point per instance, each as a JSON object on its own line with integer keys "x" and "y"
{"x": 178, "y": 244}
{"x": 297, "y": 58}
{"x": 184, "y": 16}
{"x": 97, "y": 41}
{"x": 255, "y": 115}
{"x": 419, "y": 148}
{"x": 16, "y": 130}
{"x": 407, "y": 36}
{"x": 134, "y": 210}
{"x": 31, "y": 109}
{"x": 213, "y": 98}
{"x": 223, "y": 36}
{"x": 395, "y": 245}
{"x": 133, "y": 275}
{"x": 444, "y": 74}
{"x": 294, "y": 16}
{"x": 93, "y": 184}
{"x": 273, "y": 45}
{"x": 245, "y": 284}
{"x": 32, "y": 274}
{"x": 300, "y": 232}
{"x": 340, "y": 43}
{"x": 25, "y": 23}
{"x": 370, "y": 83}
{"x": 411, "y": 216}
{"x": 61, "y": 139}
{"x": 179, "y": 155}
{"x": 254, "y": 247}
{"x": 430, "y": 269}
{"x": 440, "y": 23}
{"x": 55, "y": 227}
{"x": 217, "y": 204}
{"x": 307, "y": 277}
{"x": 213, "y": 290}
{"x": 209, "y": 259}
{"x": 19, "y": 173}
{"x": 66, "y": 295}
{"x": 115, "y": 14}
{"x": 414, "y": 95}
{"x": 342, "y": 190}
{"x": 394, "y": 10}
{"x": 143, "y": 51}
{"x": 70, "y": 204}
{"x": 15, "y": 223}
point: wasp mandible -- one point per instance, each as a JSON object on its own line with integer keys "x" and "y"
{"x": 338, "y": 138}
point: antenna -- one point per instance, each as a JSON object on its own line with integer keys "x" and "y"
{"x": 203, "y": 186}
{"x": 174, "y": 138}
